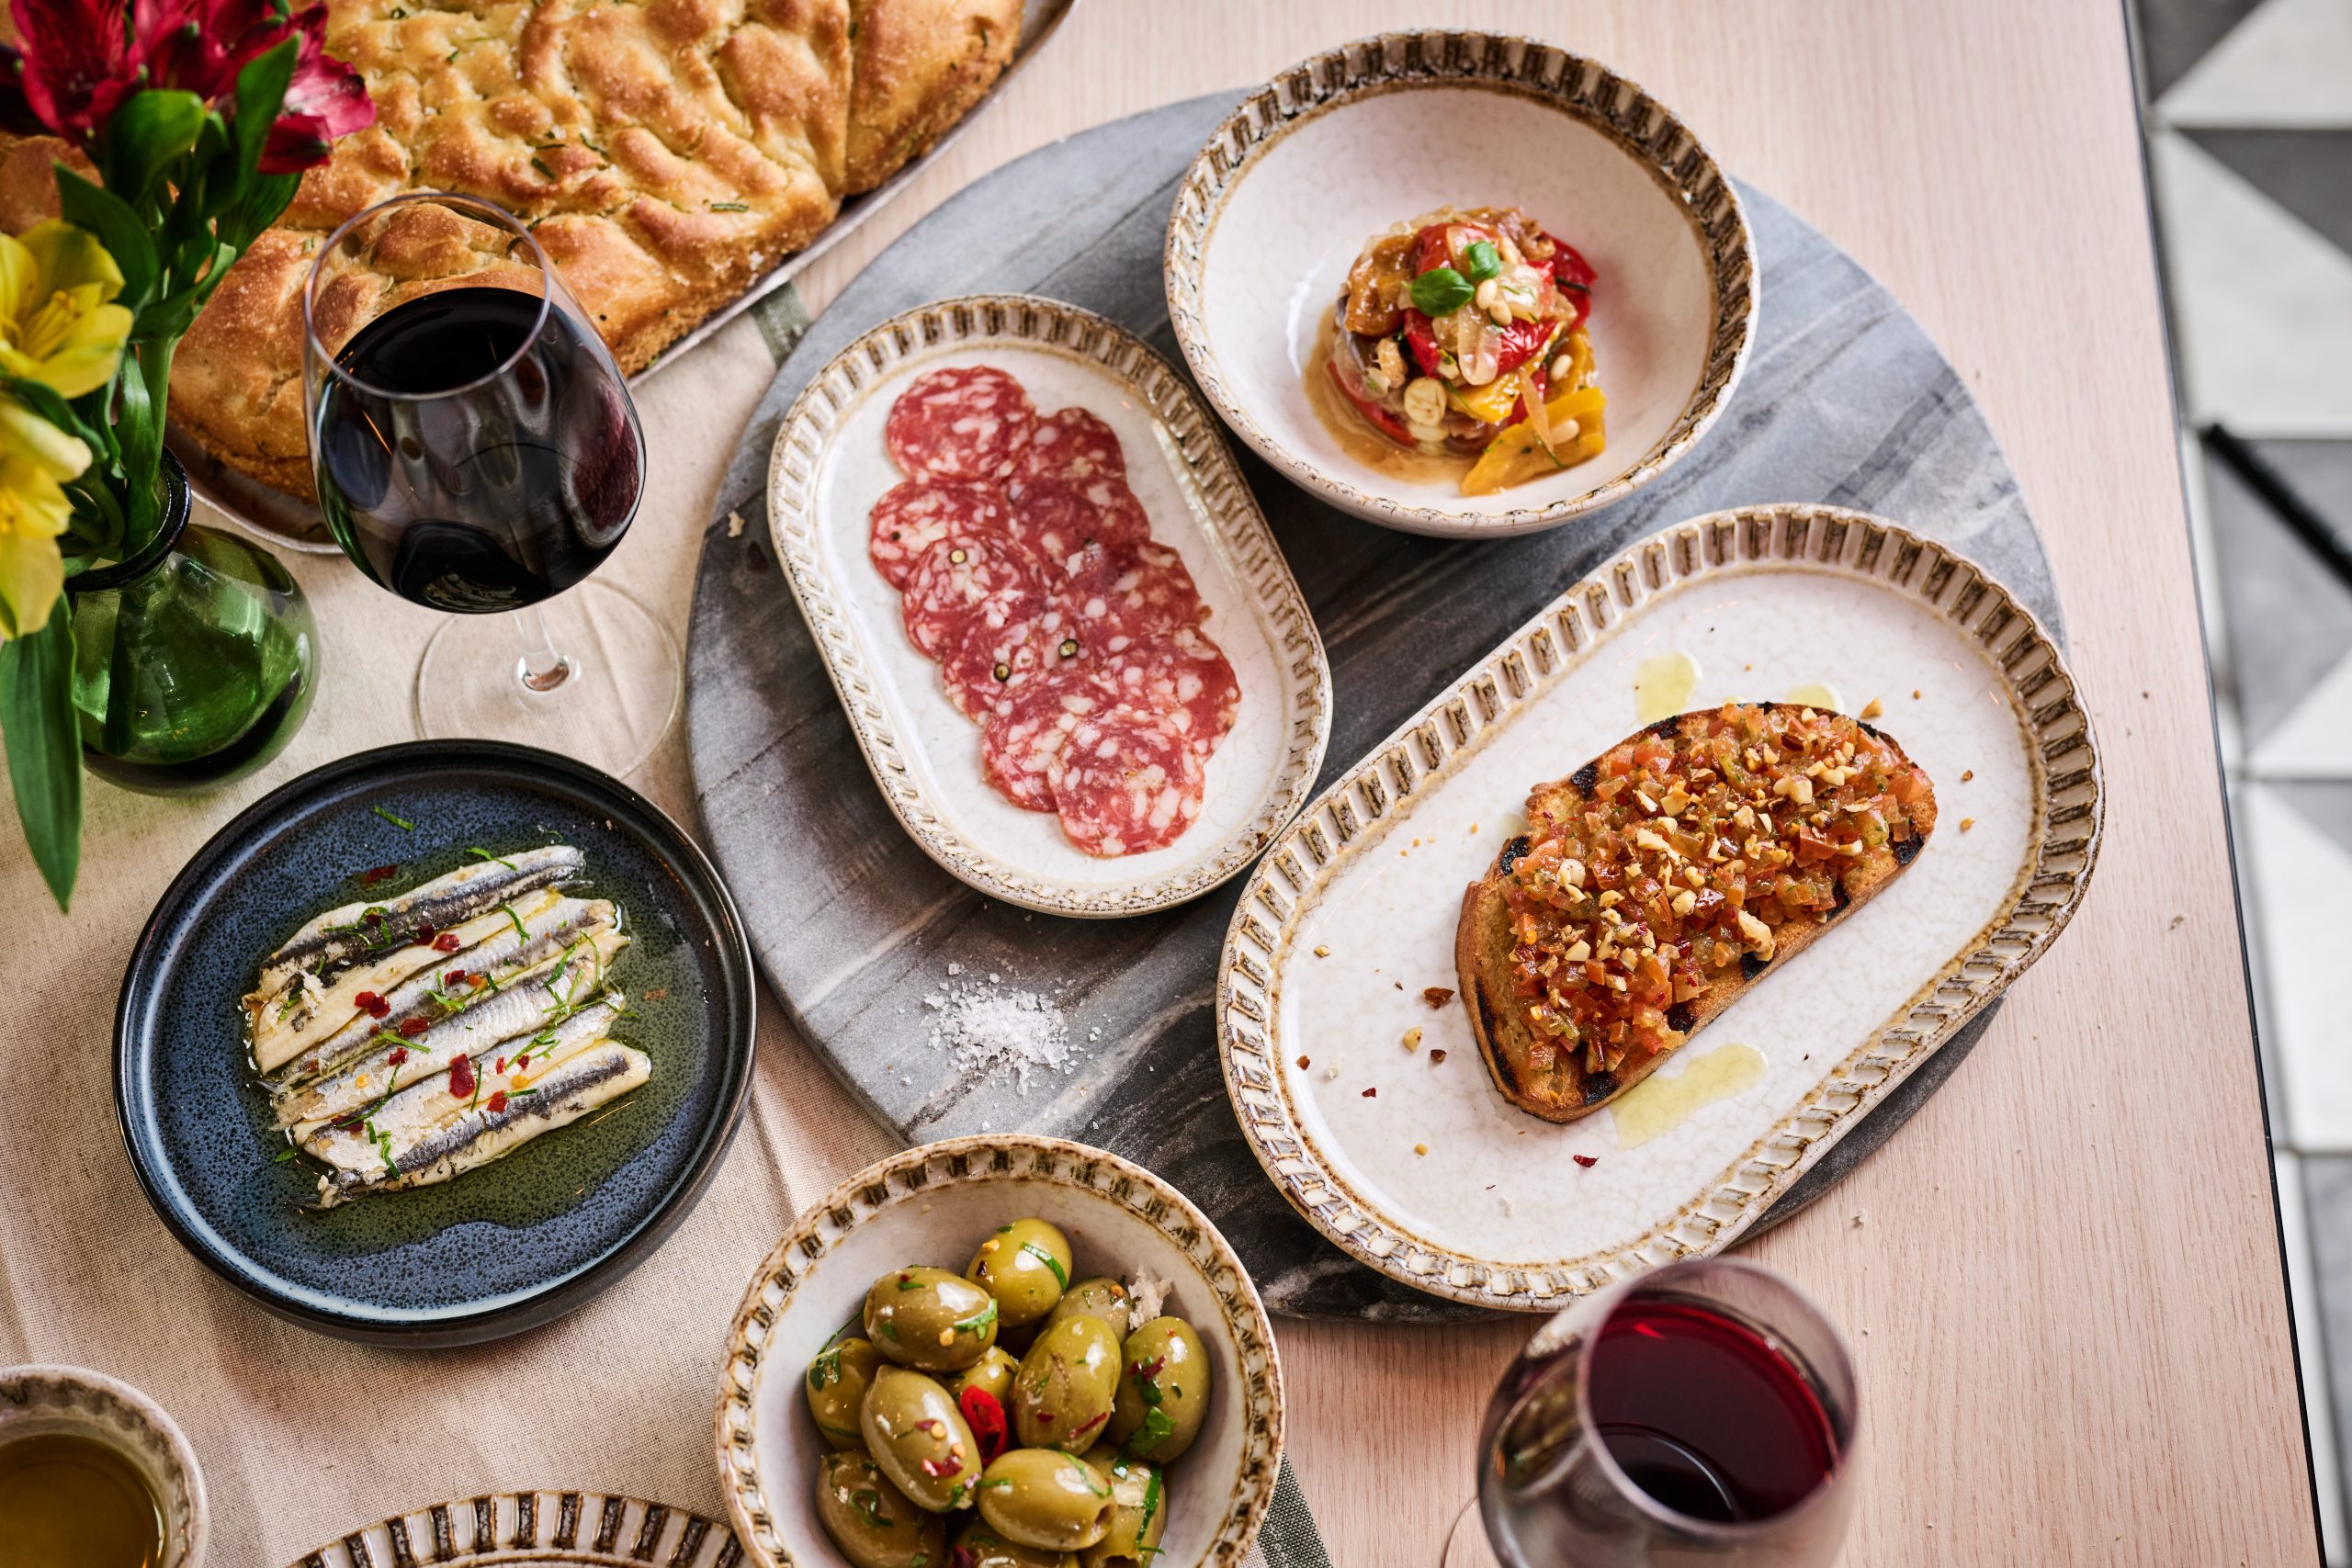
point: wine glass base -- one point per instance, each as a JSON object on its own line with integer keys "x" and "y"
{"x": 617, "y": 698}
{"x": 1465, "y": 1546}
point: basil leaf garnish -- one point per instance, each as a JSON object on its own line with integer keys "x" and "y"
{"x": 1441, "y": 291}
{"x": 1480, "y": 261}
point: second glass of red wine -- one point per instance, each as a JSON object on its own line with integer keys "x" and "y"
{"x": 476, "y": 451}
{"x": 1702, "y": 1413}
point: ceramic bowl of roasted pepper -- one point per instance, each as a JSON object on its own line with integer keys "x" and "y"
{"x": 1461, "y": 283}
{"x": 1000, "y": 1350}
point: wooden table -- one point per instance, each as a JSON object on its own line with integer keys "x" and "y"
{"x": 2061, "y": 1281}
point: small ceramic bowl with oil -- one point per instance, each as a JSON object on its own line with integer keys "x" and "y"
{"x": 1339, "y": 147}
{"x": 93, "y": 1473}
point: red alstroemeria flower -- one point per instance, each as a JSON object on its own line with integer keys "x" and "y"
{"x": 199, "y": 46}
{"x": 75, "y": 67}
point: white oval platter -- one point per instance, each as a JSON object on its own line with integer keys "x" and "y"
{"x": 1415, "y": 1165}
{"x": 830, "y": 466}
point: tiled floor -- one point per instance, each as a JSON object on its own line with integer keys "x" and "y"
{"x": 2250, "y": 147}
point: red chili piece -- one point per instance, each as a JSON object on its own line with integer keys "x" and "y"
{"x": 372, "y": 917}
{"x": 445, "y": 943}
{"x": 497, "y": 1102}
{"x": 400, "y": 1055}
{"x": 376, "y": 874}
{"x": 423, "y": 934}
{"x": 984, "y": 1413}
{"x": 940, "y": 1467}
{"x": 1588, "y": 1161}
{"x": 461, "y": 1078}
{"x": 453, "y": 977}
{"x": 522, "y": 1062}
{"x": 413, "y": 1027}
{"x": 372, "y": 1005}
{"x": 1371, "y": 1094}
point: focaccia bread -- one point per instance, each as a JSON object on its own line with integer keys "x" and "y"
{"x": 665, "y": 153}
{"x": 1659, "y": 883}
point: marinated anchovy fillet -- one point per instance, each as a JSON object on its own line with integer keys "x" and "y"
{"x": 502, "y": 1122}
{"x": 344, "y": 935}
{"x": 471, "y": 975}
{"x": 309, "y": 1007}
{"x": 417, "y": 1094}
{"x": 527, "y": 1004}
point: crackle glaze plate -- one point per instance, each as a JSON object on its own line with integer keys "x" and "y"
{"x": 534, "y": 1529}
{"x": 1343, "y": 145}
{"x": 1412, "y": 1161}
{"x": 934, "y": 1204}
{"x": 829, "y": 467}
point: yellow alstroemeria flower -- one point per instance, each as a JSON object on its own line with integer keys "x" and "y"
{"x": 57, "y": 324}
{"x": 36, "y": 458}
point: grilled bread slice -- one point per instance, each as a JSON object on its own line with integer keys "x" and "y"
{"x": 1660, "y": 881}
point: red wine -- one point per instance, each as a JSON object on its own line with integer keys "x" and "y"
{"x": 472, "y": 456}
{"x": 1705, "y": 1415}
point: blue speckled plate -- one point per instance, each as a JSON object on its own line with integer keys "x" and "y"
{"x": 502, "y": 1249}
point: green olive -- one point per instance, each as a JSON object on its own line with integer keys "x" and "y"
{"x": 989, "y": 1549}
{"x": 1026, "y": 1266}
{"x": 1138, "y": 1512}
{"x": 930, "y": 1319}
{"x": 993, "y": 1371}
{"x": 1099, "y": 1297}
{"x": 871, "y": 1521}
{"x": 838, "y": 1379}
{"x": 1163, "y": 1390}
{"x": 1043, "y": 1497}
{"x": 920, "y": 1440}
{"x": 1067, "y": 1386}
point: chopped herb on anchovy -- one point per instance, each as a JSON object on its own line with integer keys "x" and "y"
{"x": 286, "y": 1155}
{"x": 479, "y": 853}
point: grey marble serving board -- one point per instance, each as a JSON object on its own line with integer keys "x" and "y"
{"x": 1845, "y": 401}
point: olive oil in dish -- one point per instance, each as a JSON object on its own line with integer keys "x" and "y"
{"x": 68, "y": 1501}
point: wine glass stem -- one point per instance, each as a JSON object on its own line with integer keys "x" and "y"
{"x": 541, "y": 668}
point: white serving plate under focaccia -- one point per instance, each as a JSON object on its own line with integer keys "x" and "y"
{"x": 1417, "y": 1166}
{"x": 830, "y": 465}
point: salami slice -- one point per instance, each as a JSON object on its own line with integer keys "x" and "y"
{"x": 1124, "y": 783}
{"x": 912, "y": 516}
{"x": 1184, "y": 678}
{"x": 990, "y": 658}
{"x": 1057, "y": 518}
{"x": 1070, "y": 445}
{"x": 965, "y": 579}
{"x": 1120, "y": 593}
{"x": 967, "y": 423}
{"x": 1025, "y": 737}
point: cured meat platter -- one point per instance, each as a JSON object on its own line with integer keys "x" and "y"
{"x": 951, "y": 1010}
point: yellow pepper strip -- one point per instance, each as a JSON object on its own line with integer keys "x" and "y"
{"x": 1489, "y": 404}
{"x": 1517, "y": 454}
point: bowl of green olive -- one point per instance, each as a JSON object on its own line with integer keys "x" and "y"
{"x": 1000, "y": 1352}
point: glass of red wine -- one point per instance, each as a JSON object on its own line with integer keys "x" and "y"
{"x": 476, "y": 451}
{"x": 1704, "y": 1411}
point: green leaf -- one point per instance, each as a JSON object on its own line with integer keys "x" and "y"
{"x": 1441, "y": 291}
{"x": 261, "y": 93}
{"x": 44, "y": 744}
{"x": 150, "y": 132}
{"x": 1480, "y": 261}
{"x": 119, "y": 229}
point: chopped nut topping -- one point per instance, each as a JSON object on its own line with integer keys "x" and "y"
{"x": 1421, "y": 1148}
{"x": 1322, "y": 952}
{"x": 1872, "y": 709}
{"x": 1412, "y": 1040}
{"x": 1436, "y": 995}
{"x": 1966, "y": 823}
{"x": 1620, "y": 909}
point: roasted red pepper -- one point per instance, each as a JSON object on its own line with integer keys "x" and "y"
{"x": 1387, "y": 423}
{"x": 1575, "y": 276}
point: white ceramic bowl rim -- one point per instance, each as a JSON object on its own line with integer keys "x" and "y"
{"x": 1057, "y": 1160}
{"x": 1613, "y": 104}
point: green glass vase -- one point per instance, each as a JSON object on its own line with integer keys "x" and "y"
{"x": 194, "y": 662}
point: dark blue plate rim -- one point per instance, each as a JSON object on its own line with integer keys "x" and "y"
{"x": 201, "y": 880}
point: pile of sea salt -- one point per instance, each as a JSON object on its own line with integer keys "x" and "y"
{"x": 988, "y": 1028}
